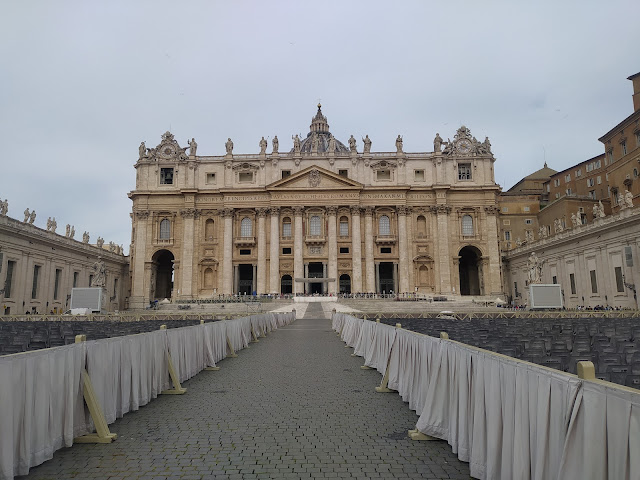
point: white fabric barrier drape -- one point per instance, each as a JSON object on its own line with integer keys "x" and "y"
{"x": 42, "y": 410}
{"x": 365, "y": 338}
{"x": 351, "y": 330}
{"x": 383, "y": 338}
{"x": 603, "y": 441}
{"x": 41, "y": 399}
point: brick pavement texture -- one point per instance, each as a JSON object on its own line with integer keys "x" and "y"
{"x": 295, "y": 405}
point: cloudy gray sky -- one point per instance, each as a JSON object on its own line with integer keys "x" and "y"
{"x": 84, "y": 82}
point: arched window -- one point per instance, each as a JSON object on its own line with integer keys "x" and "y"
{"x": 314, "y": 225}
{"x": 246, "y": 229}
{"x": 286, "y": 227}
{"x": 422, "y": 226}
{"x": 344, "y": 227}
{"x": 208, "y": 229}
{"x": 467, "y": 226}
{"x": 165, "y": 229}
{"x": 384, "y": 225}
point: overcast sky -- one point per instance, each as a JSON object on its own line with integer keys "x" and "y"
{"x": 83, "y": 83}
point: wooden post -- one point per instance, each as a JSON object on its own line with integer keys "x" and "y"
{"x": 444, "y": 335}
{"x": 253, "y": 334}
{"x": 175, "y": 379}
{"x": 103, "y": 434}
{"x": 417, "y": 435}
{"x": 230, "y": 347}
{"x": 586, "y": 371}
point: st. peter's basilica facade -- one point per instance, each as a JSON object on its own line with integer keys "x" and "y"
{"x": 321, "y": 218}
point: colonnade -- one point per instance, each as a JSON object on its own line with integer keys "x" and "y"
{"x": 359, "y": 283}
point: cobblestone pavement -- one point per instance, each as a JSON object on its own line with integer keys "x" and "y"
{"x": 295, "y": 405}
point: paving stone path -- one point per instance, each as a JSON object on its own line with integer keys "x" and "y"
{"x": 295, "y": 405}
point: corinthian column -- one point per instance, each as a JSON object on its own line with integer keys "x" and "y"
{"x": 261, "y": 274}
{"x": 403, "y": 249}
{"x": 442, "y": 247}
{"x": 333, "y": 250}
{"x": 227, "y": 252}
{"x": 368, "y": 250}
{"x": 356, "y": 251}
{"x": 297, "y": 250}
{"x": 274, "y": 253}
{"x": 139, "y": 294}
{"x": 188, "y": 218}
{"x": 492, "y": 283}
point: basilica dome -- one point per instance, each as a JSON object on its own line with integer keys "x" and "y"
{"x": 319, "y": 129}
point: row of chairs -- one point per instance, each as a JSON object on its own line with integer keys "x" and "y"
{"x": 612, "y": 344}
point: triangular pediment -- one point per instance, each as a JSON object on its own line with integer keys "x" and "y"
{"x": 316, "y": 178}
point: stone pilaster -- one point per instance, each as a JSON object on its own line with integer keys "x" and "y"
{"x": 356, "y": 251}
{"x": 227, "y": 252}
{"x": 298, "y": 252}
{"x": 187, "y": 253}
{"x": 139, "y": 294}
{"x": 403, "y": 249}
{"x": 494, "y": 284}
{"x": 442, "y": 247}
{"x": 368, "y": 250}
{"x": 332, "y": 241}
{"x": 261, "y": 272}
{"x": 274, "y": 253}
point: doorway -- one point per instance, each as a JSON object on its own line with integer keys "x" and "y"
{"x": 469, "y": 271}
{"x": 316, "y": 270}
{"x": 345, "y": 284}
{"x": 286, "y": 284}
{"x": 245, "y": 280}
{"x": 385, "y": 270}
{"x": 163, "y": 270}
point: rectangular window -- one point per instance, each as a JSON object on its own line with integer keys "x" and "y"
{"x": 614, "y": 196}
{"x": 344, "y": 249}
{"x": 628, "y": 256}
{"x": 554, "y": 280}
{"x": 115, "y": 287}
{"x": 343, "y": 173}
{"x": 557, "y": 194}
{"x": 286, "y": 250}
{"x": 344, "y": 229}
{"x": 528, "y": 221}
{"x": 594, "y": 281}
{"x": 506, "y": 222}
{"x": 286, "y": 173}
{"x": 623, "y": 145}
{"x": 8, "y": 282}
{"x": 75, "y": 279}
{"x": 567, "y": 178}
{"x": 383, "y": 175}
{"x": 556, "y": 182}
{"x": 590, "y": 182}
{"x": 34, "y": 284}
{"x": 572, "y": 282}
{"x": 507, "y": 236}
{"x": 464, "y": 171}
{"x": 505, "y": 209}
{"x": 525, "y": 209}
{"x": 211, "y": 178}
{"x": 579, "y": 172}
{"x": 515, "y": 289}
{"x": 599, "y": 179}
{"x": 610, "y": 156}
{"x": 418, "y": 175}
{"x": 166, "y": 176}
{"x": 568, "y": 191}
{"x": 592, "y": 194}
{"x": 245, "y": 177}
{"x": 245, "y": 251}
{"x": 598, "y": 164}
{"x": 385, "y": 249}
{"x": 56, "y": 283}
{"x": 286, "y": 229}
{"x": 90, "y": 280}
{"x": 619, "y": 280}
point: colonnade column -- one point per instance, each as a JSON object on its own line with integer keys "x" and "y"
{"x": 403, "y": 250}
{"x": 356, "y": 250}
{"x": 261, "y": 273}
{"x": 227, "y": 252}
{"x": 368, "y": 250}
{"x": 333, "y": 250}
{"x": 188, "y": 218}
{"x": 298, "y": 253}
{"x": 494, "y": 284}
{"x": 274, "y": 253}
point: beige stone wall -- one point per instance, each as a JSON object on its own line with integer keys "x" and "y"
{"x": 601, "y": 246}
{"x": 420, "y": 194}
{"x": 27, "y": 246}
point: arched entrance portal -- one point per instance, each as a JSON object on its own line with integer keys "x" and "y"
{"x": 470, "y": 271}
{"x": 345, "y": 284}
{"x": 286, "y": 284}
{"x": 163, "y": 273}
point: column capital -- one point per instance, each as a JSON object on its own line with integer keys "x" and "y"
{"x": 368, "y": 211}
{"x": 227, "y": 212}
{"x": 274, "y": 211}
{"x": 190, "y": 213}
{"x": 402, "y": 210}
{"x": 332, "y": 210}
{"x": 355, "y": 209}
{"x": 441, "y": 209}
{"x": 262, "y": 211}
{"x": 298, "y": 210}
{"x": 491, "y": 210}
{"x": 142, "y": 215}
